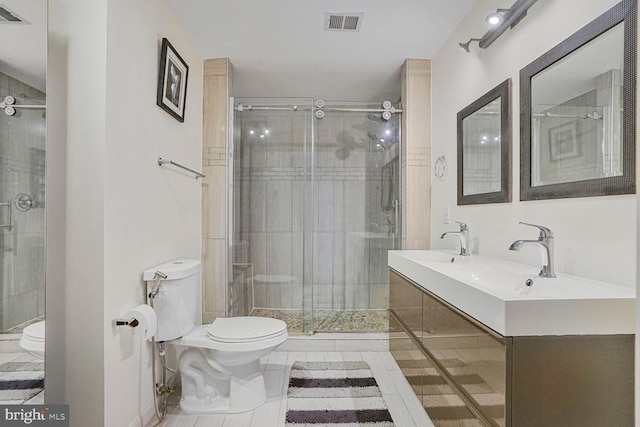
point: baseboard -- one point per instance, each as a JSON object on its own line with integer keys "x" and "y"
{"x": 137, "y": 422}
{"x": 148, "y": 413}
{"x": 375, "y": 341}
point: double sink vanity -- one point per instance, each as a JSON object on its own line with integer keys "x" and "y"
{"x": 503, "y": 346}
{"x": 488, "y": 342}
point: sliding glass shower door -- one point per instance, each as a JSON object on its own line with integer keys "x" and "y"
{"x": 356, "y": 222}
{"x": 272, "y": 187}
{"x": 315, "y": 211}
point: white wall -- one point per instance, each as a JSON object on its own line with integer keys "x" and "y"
{"x": 595, "y": 237}
{"x": 74, "y": 211}
{"x": 152, "y": 214}
{"x": 120, "y": 213}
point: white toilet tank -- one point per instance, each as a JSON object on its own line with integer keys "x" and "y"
{"x": 177, "y": 304}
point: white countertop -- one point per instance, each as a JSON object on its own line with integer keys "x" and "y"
{"x": 494, "y": 292}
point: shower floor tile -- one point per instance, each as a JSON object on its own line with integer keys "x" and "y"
{"x": 331, "y": 320}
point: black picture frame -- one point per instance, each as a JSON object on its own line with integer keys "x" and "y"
{"x": 173, "y": 72}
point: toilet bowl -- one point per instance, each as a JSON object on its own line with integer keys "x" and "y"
{"x": 228, "y": 352}
{"x": 219, "y": 364}
{"x": 32, "y": 340}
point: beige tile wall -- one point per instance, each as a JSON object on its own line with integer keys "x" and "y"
{"x": 416, "y": 153}
{"x": 217, "y": 90}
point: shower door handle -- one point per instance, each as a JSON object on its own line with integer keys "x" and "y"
{"x": 8, "y": 224}
{"x": 396, "y": 209}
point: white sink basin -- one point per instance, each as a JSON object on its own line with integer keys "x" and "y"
{"x": 513, "y": 300}
{"x": 447, "y": 257}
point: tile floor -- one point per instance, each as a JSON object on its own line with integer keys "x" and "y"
{"x": 404, "y": 406}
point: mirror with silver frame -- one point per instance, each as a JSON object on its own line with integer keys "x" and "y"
{"x": 577, "y": 109}
{"x": 484, "y": 148}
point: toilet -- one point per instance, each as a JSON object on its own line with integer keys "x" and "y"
{"x": 32, "y": 340}
{"x": 219, "y": 363}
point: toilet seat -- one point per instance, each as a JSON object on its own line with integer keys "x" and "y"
{"x": 34, "y": 332}
{"x": 240, "y": 335}
{"x": 245, "y": 329}
{"x": 33, "y": 339}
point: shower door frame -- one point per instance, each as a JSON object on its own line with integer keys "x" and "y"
{"x": 309, "y": 154}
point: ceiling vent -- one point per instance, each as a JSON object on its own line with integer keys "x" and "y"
{"x": 349, "y": 22}
{"x": 7, "y": 16}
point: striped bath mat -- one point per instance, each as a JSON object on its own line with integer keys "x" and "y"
{"x": 340, "y": 394}
{"x": 20, "y": 381}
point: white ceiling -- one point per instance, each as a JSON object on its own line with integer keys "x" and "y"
{"x": 23, "y": 47}
{"x": 279, "y": 47}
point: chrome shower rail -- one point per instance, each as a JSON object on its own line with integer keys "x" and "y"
{"x": 162, "y": 161}
{"x": 363, "y": 110}
{"x": 34, "y": 106}
{"x": 241, "y": 107}
{"x": 8, "y": 104}
{"x": 590, "y": 116}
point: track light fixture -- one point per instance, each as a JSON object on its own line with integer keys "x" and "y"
{"x": 497, "y": 17}
{"x": 465, "y": 46}
{"x": 500, "y": 20}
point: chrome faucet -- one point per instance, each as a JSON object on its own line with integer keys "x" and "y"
{"x": 544, "y": 245}
{"x": 463, "y": 235}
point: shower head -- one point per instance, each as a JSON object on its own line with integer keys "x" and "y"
{"x": 372, "y": 136}
{"x": 382, "y": 143}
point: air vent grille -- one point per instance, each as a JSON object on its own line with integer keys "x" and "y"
{"x": 7, "y": 16}
{"x": 335, "y": 22}
{"x": 350, "y": 22}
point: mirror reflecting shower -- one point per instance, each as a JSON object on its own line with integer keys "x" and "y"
{"x": 22, "y": 200}
{"x": 316, "y": 204}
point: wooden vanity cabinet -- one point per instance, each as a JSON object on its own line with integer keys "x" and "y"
{"x": 467, "y": 373}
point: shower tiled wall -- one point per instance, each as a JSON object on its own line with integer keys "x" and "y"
{"x": 416, "y": 154}
{"x": 269, "y": 212}
{"x": 352, "y": 234}
{"x": 22, "y": 162}
{"x": 217, "y": 77}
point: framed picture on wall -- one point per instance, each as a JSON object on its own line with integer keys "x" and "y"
{"x": 172, "y": 81}
{"x": 563, "y": 143}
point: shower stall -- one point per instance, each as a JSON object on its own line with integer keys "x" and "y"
{"x": 22, "y": 190}
{"x": 316, "y": 207}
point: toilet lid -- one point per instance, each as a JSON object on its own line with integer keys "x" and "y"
{"x": 245, "y": 328}
{"x": 34, "y": 332}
